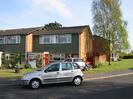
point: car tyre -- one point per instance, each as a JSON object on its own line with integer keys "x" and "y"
{"x": 77, "y": 81}
{"x": 35, "y": 84}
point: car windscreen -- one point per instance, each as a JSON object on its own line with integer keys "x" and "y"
{"x": 43, "y": 68}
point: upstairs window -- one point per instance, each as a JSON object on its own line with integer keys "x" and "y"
{"x": 55, "y": 39}
{"x": 13, "y": 39}
{"x": 10, "y": 39}
{"x": 2, "y": 40}
{"x": 64, "y": 38}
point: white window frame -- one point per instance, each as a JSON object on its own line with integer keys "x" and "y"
{"x": 55, "y": 39}
{"x": 2, "y": 38}
{"x": 15, "y": 39}
{"x": 67, "y": 38}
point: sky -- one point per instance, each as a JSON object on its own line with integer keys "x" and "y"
{"x": 33, "y": 13}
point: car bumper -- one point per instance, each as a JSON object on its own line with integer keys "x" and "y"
{"x": 24, "y": 82}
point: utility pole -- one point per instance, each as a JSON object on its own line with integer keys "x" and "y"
{"x": 109, "y": 50}
{"x": 109, "y": 45}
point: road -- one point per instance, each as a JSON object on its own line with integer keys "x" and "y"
{"x": 111, "y": 88}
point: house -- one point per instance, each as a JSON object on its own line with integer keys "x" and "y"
{"x": 13, "y": 41}
{"x": 100, "y": 49}
{"x": 52, "y": 43}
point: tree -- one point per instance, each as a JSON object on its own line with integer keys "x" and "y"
{"x": 108, "y": 23}
{"x": 53, "y": 25}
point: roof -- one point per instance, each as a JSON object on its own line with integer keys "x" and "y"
{"x": 41, "y": 30}
{"x": 75, "y": 29}
{"x": 21, "y": 31}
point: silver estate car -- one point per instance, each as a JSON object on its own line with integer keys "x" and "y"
{"x": 58, "y": 72}
{"x": 79, "y": 61}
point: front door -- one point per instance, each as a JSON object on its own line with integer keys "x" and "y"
{"x": 45, "y": 58}
{"x": 51, "y": 74}
{"x": 67, "y": 72}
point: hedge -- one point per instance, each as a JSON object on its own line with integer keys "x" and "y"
{"x": 128, "y": 57}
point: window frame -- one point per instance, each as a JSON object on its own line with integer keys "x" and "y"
{"x": 12, "y": 39}
{"x": 55, "y": 39}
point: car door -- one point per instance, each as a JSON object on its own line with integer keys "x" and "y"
{"x": 51, "y": 74}
{"x": 67, "y": 72}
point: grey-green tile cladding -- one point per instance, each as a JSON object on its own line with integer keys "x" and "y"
{"x": 13, "y": 48}
{"x": 57, "y": 48}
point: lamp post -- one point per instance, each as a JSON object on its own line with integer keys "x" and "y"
{"x": 109, "y": 49}
{"x": 109, "y": 27}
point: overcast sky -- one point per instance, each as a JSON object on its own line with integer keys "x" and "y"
{"x": 32, "y": 13}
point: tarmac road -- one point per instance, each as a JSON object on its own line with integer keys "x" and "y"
{"x": 110, "y": 88}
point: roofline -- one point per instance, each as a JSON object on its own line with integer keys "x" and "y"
{"x": 20, "y": 28}
{"x": 43, "y": 27}
{"x": 34, "y": 29}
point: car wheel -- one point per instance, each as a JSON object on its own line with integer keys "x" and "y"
{"x": 77, "y": 81}
{"x": 35, "y": 84}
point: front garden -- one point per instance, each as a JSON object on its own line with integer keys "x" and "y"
{"x": 101, "y": 68}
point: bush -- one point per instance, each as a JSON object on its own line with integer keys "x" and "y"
{"x": 128, "y": 57}
{"x": 98, "y": 65}
{"x": 27, "y": 66}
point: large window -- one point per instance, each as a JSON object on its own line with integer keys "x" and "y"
{"x": 64, "y": 38}
{"x": 54, "y": 39}
{"x": 10, "y": 39}
{"x": 2, "y": 40}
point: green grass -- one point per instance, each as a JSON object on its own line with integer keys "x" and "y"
{"x": 8, "y": 73}
{"x": 120, "y": 65}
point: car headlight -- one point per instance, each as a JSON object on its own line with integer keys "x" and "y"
{"x": 25, "y": 77}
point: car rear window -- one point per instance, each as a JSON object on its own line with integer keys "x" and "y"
{"x": 76, "y": 66}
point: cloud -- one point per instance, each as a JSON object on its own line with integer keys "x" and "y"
{"x": 52, "y": 6}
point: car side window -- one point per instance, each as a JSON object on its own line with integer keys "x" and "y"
{"x": 76, "y": 66}
{"x": 53, "y": 68}
{"x": 67, "y": 66}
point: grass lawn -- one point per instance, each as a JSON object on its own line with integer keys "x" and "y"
{"x": 120, "y": 65}
{"x": 8, "y": 73}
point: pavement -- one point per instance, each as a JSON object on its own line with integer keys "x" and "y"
{"x": 87, "y": 77}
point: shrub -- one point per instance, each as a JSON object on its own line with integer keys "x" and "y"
{"x": 98, "y": 65}
{"x": 130, "y": 56}
{"x": 27, "y": 66}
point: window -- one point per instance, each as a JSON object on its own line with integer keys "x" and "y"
{"x": 53, "y": 68}
{"x": 54, "y": 39}
{"x": 66, "y": 66}
{"x": 65, "y": 38}
{"x": 46, "y": 39}
{"x": 76, "y": 66}
{"x": 10, "y": 39}
{"x": 2, "y": 40}
{"x": 13, "y": 39}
